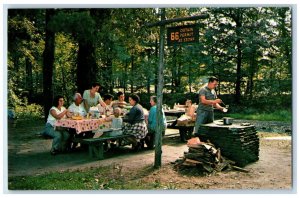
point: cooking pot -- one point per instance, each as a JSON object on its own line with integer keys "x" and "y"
{"x": 227, "y": 121}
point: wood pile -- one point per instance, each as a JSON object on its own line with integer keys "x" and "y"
{"x": 205, "y": 157}
{"x": 238, "y": 143}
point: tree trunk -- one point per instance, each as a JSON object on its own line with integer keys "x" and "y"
{"x": 252, "y": 72}
{"x": 108, "y": 85}
{"x": 286, "y": 37}
{"x": 86, "y": 66}
{"x": 190, "y": 79}
{"x": 125, "y": 77}
{"x": 156, "y": 70}
{"x": 174, "y": 73}
{"x": 239, "y": 58}
{"x": 159, "y": 127}
{"x": 64, "y": 83}
{"x": 48, "y": 60}
{"x": 107, "y": 73}
{"x": 148, "y": 76}
{"x": 132, "y": 74}
{"x": 178, "y": 72}
{"x": 29, "y": 81}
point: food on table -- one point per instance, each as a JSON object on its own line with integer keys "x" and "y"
{"x": 77, "y": 117}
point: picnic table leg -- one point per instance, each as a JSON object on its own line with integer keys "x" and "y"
{"x": 185, "y": 133}
{"x": 91, "y": 150}
{"x": 96, "y": 150}
{"x": 182, "y": 133}
{"x": 100, "y": 151}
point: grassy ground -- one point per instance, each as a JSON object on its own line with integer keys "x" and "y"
{"x": 278, "y": 115}
{"x": 111, "y": 177}
{"x": 101, "y": 178}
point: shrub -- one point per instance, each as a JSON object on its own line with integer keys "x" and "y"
{"x": 28, "y": 111}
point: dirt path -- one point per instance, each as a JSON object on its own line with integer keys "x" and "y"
{"x": 29, "y": 155}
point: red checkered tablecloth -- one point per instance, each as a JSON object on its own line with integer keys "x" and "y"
{"x": 83, "y": 125}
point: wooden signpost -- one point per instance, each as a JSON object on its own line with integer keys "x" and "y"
{"x": 178, "y": 35}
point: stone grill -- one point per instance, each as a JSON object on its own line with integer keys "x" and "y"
{"x": 238, "y": 142}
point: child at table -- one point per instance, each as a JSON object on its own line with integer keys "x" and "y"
{"x": 190, "y": 110}
{"x": 117, "y": 121}
{"x": 189, "y": 115}
{"x": 117, "y": 124}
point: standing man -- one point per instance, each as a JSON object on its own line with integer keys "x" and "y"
{"x": 207, "y": 101}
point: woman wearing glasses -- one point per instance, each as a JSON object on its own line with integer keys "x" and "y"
{"x": 60, "y": 136}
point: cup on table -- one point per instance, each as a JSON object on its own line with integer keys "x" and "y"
{"x": 88, "y": 116}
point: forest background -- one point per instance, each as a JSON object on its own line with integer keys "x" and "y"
{"x": 61, "y": 51}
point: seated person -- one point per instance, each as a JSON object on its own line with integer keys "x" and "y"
{"x": 60, "y": 136}
{"x": 135, "y": 123}
{"x": 120, "y": 102}
{"x": 117, "y": 124}
{"x": 107, "y": 110}
{"x": 77, "y": 107}
{"x": 190, "y": 110}
{"x": 152, "y": 122}
{"x": 189, "y": 115}
{"x": 117, "y": 121}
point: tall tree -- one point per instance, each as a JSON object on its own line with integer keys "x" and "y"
{"x": 25, "y": 46}
{"x": 69, "y": 21}
{"x": 48, "y": 60}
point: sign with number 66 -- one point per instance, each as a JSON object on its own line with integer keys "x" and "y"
{"x": 182, "y": 34}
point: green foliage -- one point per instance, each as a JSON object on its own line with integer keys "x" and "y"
{"x": 25, "y": 47}
{"x": 102, "y": 178}
{"x": 255, "y": 114}
{"x": 126, "y": 52}
{"x": 29, "y": 111}
{"x": 12, "y": 99}
{"x": 80, "y": 24}
{"x": 21, "y": 107}
{"x": 64, "y": 74}
{"x": 63, "y": 181}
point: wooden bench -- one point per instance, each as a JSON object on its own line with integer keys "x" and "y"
{"x": 96, "y": 145}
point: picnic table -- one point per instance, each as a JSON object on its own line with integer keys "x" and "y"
{"x": 95, "y": 144}
{"x": 100, "y": 126}
{"x": 185, "y": 131}
{"x": 82, "y": 125}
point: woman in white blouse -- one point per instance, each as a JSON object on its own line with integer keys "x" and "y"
{"x": 60, "y": 137}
